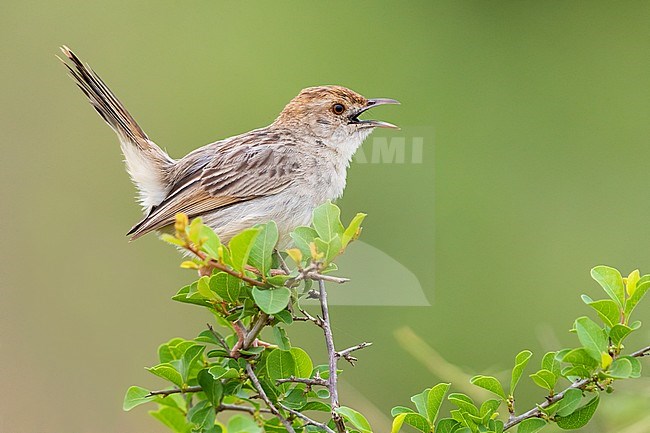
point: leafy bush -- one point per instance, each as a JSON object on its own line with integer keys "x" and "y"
{"x": 248, "y": 286}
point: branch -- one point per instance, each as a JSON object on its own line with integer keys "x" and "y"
{"x": 166, "y": 392}
{"x": 309, "y": 382}
{"x": 215, "y": 264}
{"x": 257, "y": 327}
{"x": 642, "y": 352}
{"x": 331, "y": 352}
{"x": 240, "y": 408}
{"x": 306, "y": 419}
{"x": 345, "y": 354}
{"x": 581, "y": 384}
{"x": 274, "y": 410}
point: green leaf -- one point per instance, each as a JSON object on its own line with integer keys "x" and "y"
{"x": 612, "y": 282}
{"x": 202, "y": 415}
{"x": 167, "y": 372}
{"x": 226, "y": 286}
{"x": 490, "y": 383}
{"x": 621, "y": 368}
{"x": 327, "y": 221}
{"x": 489, "y": 407}
{"x": 317, "y": 406}
{"x": 219, "y": 372}
{"x": 272, "y": 301}
{"x": 636, "y": 366}
{"x": 464, "y": 402}
{"x": 642, "y": 287}
{"x": 569, "y": 402}
{"x": 303, "y": 363}
{"x": 191, "y": 355}
{"x": 580, "y": 417}
{"x": 284, "y": 316}
{"x": 521, "y": 360}
{"x": 211, "y": 242}
{"x": 357, "y": 420}
{"x": 302, "y": 237}
{"x": 550, "y": 363}
{"x": 203, "y": 287}
{"x": 618, "y": 333}
{"x": 208, "y": 336}
{"x": 173, "y": 349}
{"x": 212, "y": 387}
{"x": 173, "y": 418}
{"x": 580, "y": 356}
{"x": 435, "y": 397}
{"x": 608, "y": 310}
{"x": 352, "y": 229}
{"x": 415, "y": 420}
{"x": 447, "y": 425}
{"x": 261, "y": 254}
{"x": 400, "y": 409}
{"x": 531, "y": 425}
{"x": 576, "y": 371}
{"x": 591, "y": 336}
{"x": 241, "y": 245}
{"x": 420, "y": 401}
{"x": 135, "y": 396}
{"x": 544, "y": 379}
{"x": 243, "y": 424}
{"x": 189, "y": 295}
{"x": 281, "y": 339}
{"x": 280, "y": 364}
{"x": 330, "y": 249}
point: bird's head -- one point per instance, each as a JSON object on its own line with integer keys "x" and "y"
{"x": 331, "y": 113}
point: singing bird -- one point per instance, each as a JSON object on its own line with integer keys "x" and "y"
{"x": 280, "y": 172}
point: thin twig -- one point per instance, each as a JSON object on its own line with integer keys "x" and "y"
{"x": 263, "y": 396}
{"x": 240, "y": 408}
{"x": 345, "y": 354}
{"x": 331, "y": 352}
{"x": 310, "y": 382}
{"x": 306, "y": 419}
{"x": 282, "y": 263}
{"x": 218, "y": 337}
{"x": 642, "y": 352}
{"x": 321, "y": 277}
{"x": 308, "y": 317}
{"x": 166, "y": 392}
{"x": 215, "y": 264}
{"x": 581, "y": 384}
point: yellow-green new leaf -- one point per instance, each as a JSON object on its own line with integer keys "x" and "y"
{"x": 353, "y": 229}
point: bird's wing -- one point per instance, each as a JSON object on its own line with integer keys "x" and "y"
{"x": 233, "y": 174}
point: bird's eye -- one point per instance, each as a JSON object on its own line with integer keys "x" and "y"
{"x": 338, "y": 108}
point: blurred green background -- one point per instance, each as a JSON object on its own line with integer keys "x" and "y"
{"x": 535, "y": 169}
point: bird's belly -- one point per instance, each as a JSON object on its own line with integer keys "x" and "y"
{"x": 288, "y": 209}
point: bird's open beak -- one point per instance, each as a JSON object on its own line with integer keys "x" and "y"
{"x": 373, "y": 123}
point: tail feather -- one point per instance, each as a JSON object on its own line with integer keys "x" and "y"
{"x": 148, "y": 164}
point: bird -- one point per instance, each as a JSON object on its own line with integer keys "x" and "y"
{"x": 279, "y": 172}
